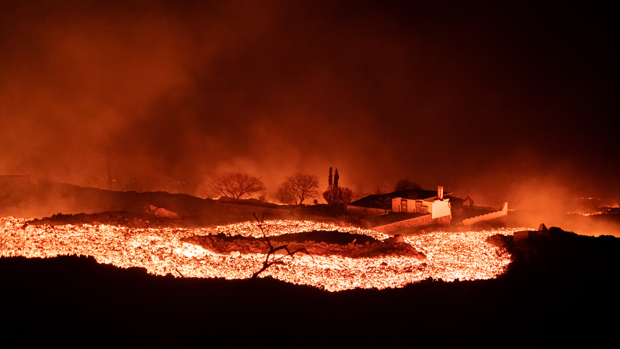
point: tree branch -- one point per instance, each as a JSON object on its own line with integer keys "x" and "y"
{"x": 267, "y": 263}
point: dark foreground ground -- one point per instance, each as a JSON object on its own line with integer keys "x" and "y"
{"x": 561, "y": 288}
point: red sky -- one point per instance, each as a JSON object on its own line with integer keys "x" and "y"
{"x": 491, "y": 100}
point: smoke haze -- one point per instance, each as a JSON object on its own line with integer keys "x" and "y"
{"x": 503, "y": 102}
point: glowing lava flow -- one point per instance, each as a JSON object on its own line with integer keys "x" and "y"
{"x": 450, "y": 256}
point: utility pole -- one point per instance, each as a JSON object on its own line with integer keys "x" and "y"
{"x": 109, "y": 171}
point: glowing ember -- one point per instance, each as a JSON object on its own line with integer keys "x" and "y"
{"x": 450, "y": 256}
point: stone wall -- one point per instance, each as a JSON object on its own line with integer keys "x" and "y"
{"x": 412, "y": 223}
{"x": 488, "y": 216}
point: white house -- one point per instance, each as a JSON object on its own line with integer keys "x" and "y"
{"x": 403, "y": 209}
{"x": 437, "y": 206}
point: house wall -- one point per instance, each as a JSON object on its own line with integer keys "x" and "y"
{"x": 441, "y": 208}
{"x": 438, "y": 208}
{"x": 427, "y": 206}
{"x": 397, "y": 205}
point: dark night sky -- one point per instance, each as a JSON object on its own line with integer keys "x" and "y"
{"x": 497, "y": 100}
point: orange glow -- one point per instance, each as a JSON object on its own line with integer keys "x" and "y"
{"x": 449, "y": 255}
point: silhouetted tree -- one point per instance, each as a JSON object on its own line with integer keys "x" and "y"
{"x": 404, "y": 184}
{"x": 237, "y": 184}
{"x": 330, "y": 195}
{"x": 329, "y": 179}
{"x": 333, "y": 194}
{"x": 284, "y": 194}
{"x": 301, "y": 186}
{"x": 346, "y": 196}
{"x": 336, "y": 177}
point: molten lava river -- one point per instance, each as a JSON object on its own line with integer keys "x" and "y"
{"x": 448, "y": 255}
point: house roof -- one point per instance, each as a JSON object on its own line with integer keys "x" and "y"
{"x": 384, "y": 201}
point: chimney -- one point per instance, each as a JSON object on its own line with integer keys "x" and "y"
{"x": 440, "y": 192}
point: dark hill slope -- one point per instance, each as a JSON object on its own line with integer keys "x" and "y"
{"x": 47, "y": 199}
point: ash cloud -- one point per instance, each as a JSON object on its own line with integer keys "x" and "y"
{"x": 480, "y": 99}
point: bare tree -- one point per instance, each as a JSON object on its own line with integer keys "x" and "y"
{"x": 284, "y": 194}
{"x": 302, "y": 186}
{"x": 267, "y": 263}
{"x": 237, "y": 184}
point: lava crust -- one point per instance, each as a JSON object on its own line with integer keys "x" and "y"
{"x": 321, "y": 243}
